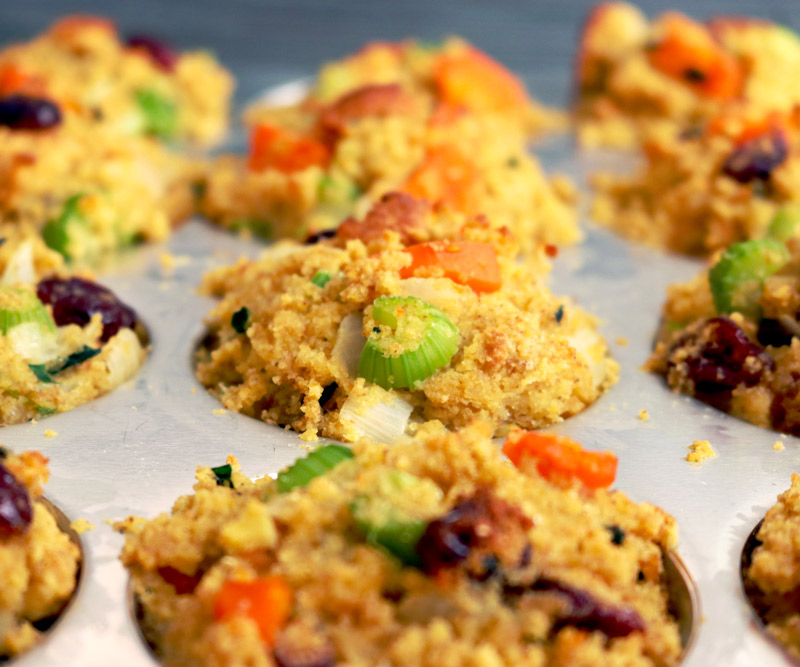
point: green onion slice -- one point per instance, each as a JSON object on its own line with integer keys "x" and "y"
{"x": 321, "y": 278}
{"x": 63, "y": 233}
{"x": 317, "y": 463}
{"x": 410, "y": 341}
{"x": 160, "y": 114}
{"x": 737, "y": 279}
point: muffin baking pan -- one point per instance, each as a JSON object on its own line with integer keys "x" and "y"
{"x": 135, "y": 450}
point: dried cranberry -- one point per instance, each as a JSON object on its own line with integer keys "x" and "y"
{"x": 21, "y": 112}
{"x": 483, "y": 532}
{"x": 161, "y": 53}
{"x": 590, "y": 614}
{"x": 16, "y": 512}
{"x": 75, "y": 300}
{"x": 756, "y": 158}
{"x": 184, "y": 584}
{"x": 725, "y": 359}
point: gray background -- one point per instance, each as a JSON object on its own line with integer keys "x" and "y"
{"x": 265, "y": 42}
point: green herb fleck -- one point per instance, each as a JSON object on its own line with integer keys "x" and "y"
{"x": 160, "y": 114}
{"x": 321, "y": 278}
{"x": 239, "y": 320}
{"x": 78, "y": 358}
{"x": 222, "y": 475}
{"x": 44, "y": 410}
{"x": 512, "y": 162}
{"x": 41, "y": 373}
{"x": 560, "y": 314}
{"x": 617, "y": 534}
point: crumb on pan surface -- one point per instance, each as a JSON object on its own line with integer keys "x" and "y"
{"x": 285, "y": 343}
{"x": 699, "y": 451}
{"x": 395, "y": 117}
{"x": 637, "y": 78}
{"x": 134, "y": 85}
{"x": 774, "y": 572}
{"x": 730, "y": 337}
{"x": 551, "y": 572}
{"x": 38, "y": 562}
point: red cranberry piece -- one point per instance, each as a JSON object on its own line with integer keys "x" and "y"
{"x": 16, "y": 512}
{"x": 21, "y": 112}
{"x": 75, "y": 300}
{"x": 590, "y": 614}
{"x": 160, "y": 52}
{"x": 757, "y": 158}
{"x": 720, "y": 364}
{"x": 184, "y": 584}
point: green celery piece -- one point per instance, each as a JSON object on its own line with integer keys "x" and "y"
{"x": 159, "y": 113}
{"x": 60, "y": 233}
{"x": 222, "y": 475}
{"x": 19, "y": 306}
{"x": 737, "y": 279}
{"x": 428, "y": 338}
{"x": 317, "y": 463}
{"x": 379, "y": 518}
{"x": 44, "y": 410}
{"x": 786, "y": 223}
{"x": 321, "y": 278}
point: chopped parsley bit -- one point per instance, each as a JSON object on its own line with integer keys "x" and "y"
{"x": 77, "y": 358}
{"x": 44, "y": 410}
{"x": 239, "y": 320}
{"x": 560, "y": 314}
{"x": 321, "y": 278}
{"x": 41, "y": 373}
{"x": 2, "y": 241}
{"x": 617, "y": 534}
{"x": 512, "y": 162}
{"x": 222, "y": 475}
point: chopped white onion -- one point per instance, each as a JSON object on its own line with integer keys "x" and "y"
{"x": 33, "y": 342}
{"x": 590, "y": 347}
{"x": 123, "y": 356}
{"x": 20, "y": 266}
{"x": 349, "y": 343}
{"x": 381, "y": 421}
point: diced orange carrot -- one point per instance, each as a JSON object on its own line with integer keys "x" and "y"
{"x": 69, "y": 26}
{"x": 267, "y": 601}
{"x": 13, "y": 79}
{"x": 445, "y": 176}
{"x": 278, "y": 148}
{"x": 473, "y": 80}
{"x": 741, "y": 128}
{"x": 558, "y": 458}
{"x": 467, "y": 263}
{"x": 688, "y": 52}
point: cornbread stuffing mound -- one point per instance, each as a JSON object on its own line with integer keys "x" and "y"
{"x": 772, "y": 575}
{"x": 637, "y": 78}
{"x": 88, "y": 192}
{"x": 703, "y": 191}
{"x": 133, "y": 85}
{"x": 731, "y": 337}
{"x": 433, "y": 551}
{"x": 446, "y": 123}
{"x": 64, "y": 340}
{"x": 358, "y": 334}
{"x": 38, "y": 562}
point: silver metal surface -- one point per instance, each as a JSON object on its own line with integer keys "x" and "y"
{"x": 135, "y": 451}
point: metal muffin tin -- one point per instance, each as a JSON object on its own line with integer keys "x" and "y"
{"x": 136, "y": 450}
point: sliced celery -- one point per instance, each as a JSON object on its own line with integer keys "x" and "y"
{"x": 20, "y": 306}
{"x": 317, "y": 463}
{"x": 786, "y": 223}
{"x": 737, "y": 279}
{"x": 160, "y": 115}
{"x": 64, "y": 233}
{"x": 321, "y": 278}
{"x": 411, "y": 341}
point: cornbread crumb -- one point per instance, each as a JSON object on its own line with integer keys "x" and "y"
{"x": 219, "y": 411}
{"x": 81, "y": 526}
{"x": 700, "y": 451}
{"x": 133, "y": 407}
{"x": 49, "y": 433}
{"x": 644, "y": 415}
{"x": 194, "y": 390}
{"x": 622, "y": 340}
{"x": 170, "y": 262}
{"x": 778, "y": 446}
